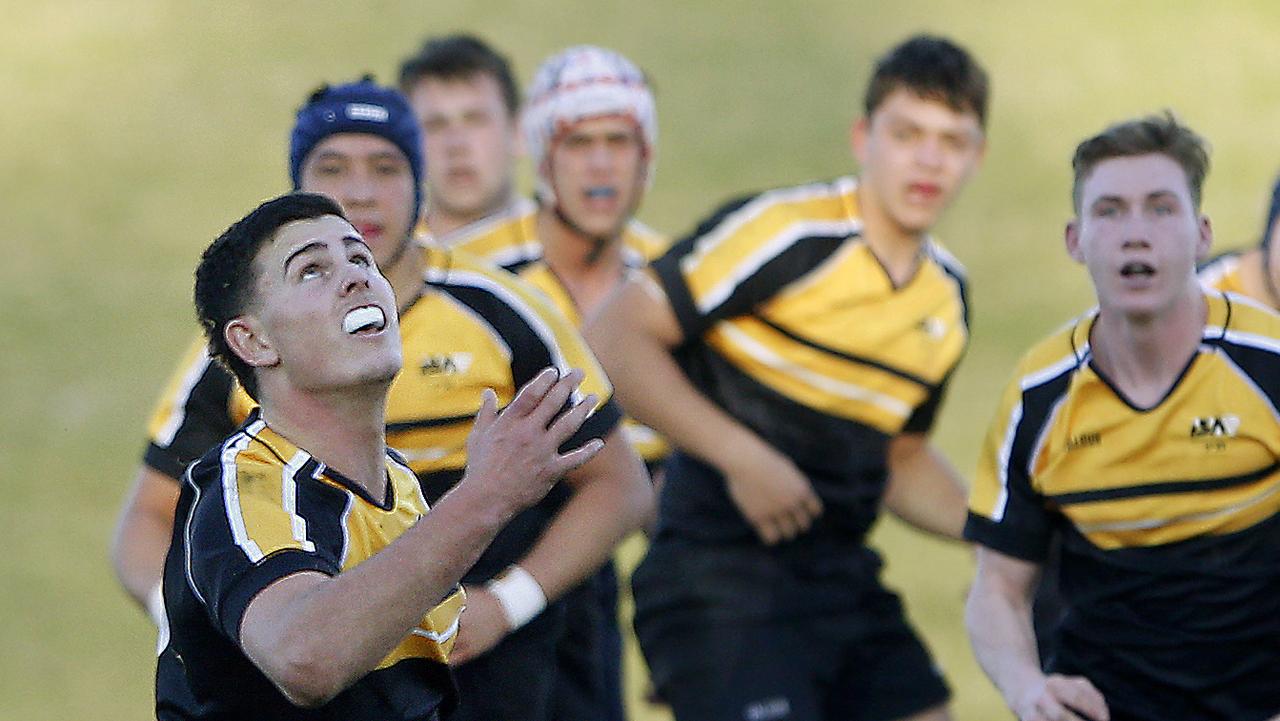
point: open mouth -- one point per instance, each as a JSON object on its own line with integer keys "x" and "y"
{"x": 601, "y": 192}
{"x": 365, "y": 320}
{"x": 1136, "y": 269}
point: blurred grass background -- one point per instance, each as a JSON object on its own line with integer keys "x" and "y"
{"x": 133, "y": 131}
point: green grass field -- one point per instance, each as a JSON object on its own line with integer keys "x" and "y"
{"x": 134, "y": 131}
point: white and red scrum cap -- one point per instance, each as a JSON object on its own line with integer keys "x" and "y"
{"x": 578, "y": 84}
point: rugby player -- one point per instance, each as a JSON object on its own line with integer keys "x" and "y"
{"x": 465, "y": 327}
{"x": 1144, "y": 433}
{"x": 795, "y": 349}
{"x": 307, "y": 578}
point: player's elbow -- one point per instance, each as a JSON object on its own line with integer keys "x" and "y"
{"x": 308, "y": 678}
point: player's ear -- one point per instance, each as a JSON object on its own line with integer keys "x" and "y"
{"x": 1205, "y": 239}
{"x": 245, "y": 338}
{"x": 858, "y": 139}
{"x": 1071, "y": 235}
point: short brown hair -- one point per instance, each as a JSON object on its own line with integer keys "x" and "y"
{"x": 1161, "y": 134}
{"x": 931, "y": 67}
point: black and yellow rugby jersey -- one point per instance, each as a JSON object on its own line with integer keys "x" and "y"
{"x": 1223, "y": 273}
{"x": 794, "y": 328}
{"x": 202, "y": 404}
{"x": 509, "y": 238}
{"x": 257, "y": 508}
{"x": 650, "y": 446}
{"x": 1171, "y": 537}
{"x": 474, "y": 327}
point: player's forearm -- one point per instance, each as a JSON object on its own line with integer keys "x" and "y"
{"x": 612, "y": 498}
{"x": 314, "y": 642}
{"x": 653, "y": 388}
{"x": 998, "y": 619}
{"x": 924, "y": 489}
{"x": 142, "y": 536}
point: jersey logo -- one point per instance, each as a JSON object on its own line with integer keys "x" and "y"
{"x": 767, "y": 709}
{"x": 935, "y": 328}
{"x": 445, "y": 364}
{"x": 1084, "y": 440}
{"x": 1215, "y": 426}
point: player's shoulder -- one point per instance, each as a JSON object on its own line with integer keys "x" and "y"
{"x": 1057, "y": 354}
{"x": 1242, "y": 320}
{"x": 642, "y": 243}
{"x": 832, "y": 202}
{"x": 940, "y": 256}
{"x": 1222, "y": 271}
{"x": 489, "y": 289}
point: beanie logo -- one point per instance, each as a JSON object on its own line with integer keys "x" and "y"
{"x": 365, "y": 111}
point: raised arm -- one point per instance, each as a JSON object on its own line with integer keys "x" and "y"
{"x": 612, "y": 497}
{"x": 314, "y": 635}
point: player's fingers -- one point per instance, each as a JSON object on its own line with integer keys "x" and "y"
{"x": 1051, "y": 710}
{"x": 563, "y": 428}
{"x": 787, "y": 525}
{"x": 766, "y": 529}
{"x": 554, "y": 401}
{"x": 577, "y": 457}
{"x": 1080, "y": 695}
{"x": 811, "y": 503}
{"x": 488, "y": 410}
{"x": 532, "y": 393}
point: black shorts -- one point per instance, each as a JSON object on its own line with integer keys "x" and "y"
{"x": 801, "y": 632}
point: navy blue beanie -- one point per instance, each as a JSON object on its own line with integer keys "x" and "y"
{"x": 359, "y": 107}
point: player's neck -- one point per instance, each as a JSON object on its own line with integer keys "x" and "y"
{"x": 345, "y": 430}
{"x": 406, "y": 276}
{"x": 444, "y": 223}
{"x": 1143, "y": 356}
{"x": 897, "y": 248}
{"x": 589, "y": 272}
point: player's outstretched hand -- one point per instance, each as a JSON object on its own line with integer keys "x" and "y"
{"x": 513, "y": 455}
{"x": 1063, "y": 698}
{"x": 774, "y": 496}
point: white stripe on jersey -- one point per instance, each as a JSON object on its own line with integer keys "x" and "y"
{"x": 442, "y": 636}
{"x": 289, "y": 498}
{"x": 522, "y": 308}
{"x": 788, "y": 237}
{"x": 843, "y": 389}
{"x": 1003, "y": 458}
{"x": 178, "y": 411}
{"x": 231, "y": 491}
{"x": 754, "y": 208}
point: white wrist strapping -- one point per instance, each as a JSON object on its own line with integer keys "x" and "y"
{"x": 519, "y": 594}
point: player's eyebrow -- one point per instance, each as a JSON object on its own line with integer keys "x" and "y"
{"x": 313, "y": 245}
{"x": 319, "y": 244}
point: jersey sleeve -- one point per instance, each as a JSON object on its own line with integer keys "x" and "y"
{"x": 1005, "y": 512}
{"x": 923, "y": 417}
{"x": 240, "y": 540}
{"x": 740, "y": 257}
{"x": 539, "y": 337}
{"x": 193, "y": 415}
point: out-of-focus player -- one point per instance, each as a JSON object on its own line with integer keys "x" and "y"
{"x": 795, "y": 349}
{"x": 466, "y": 98}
